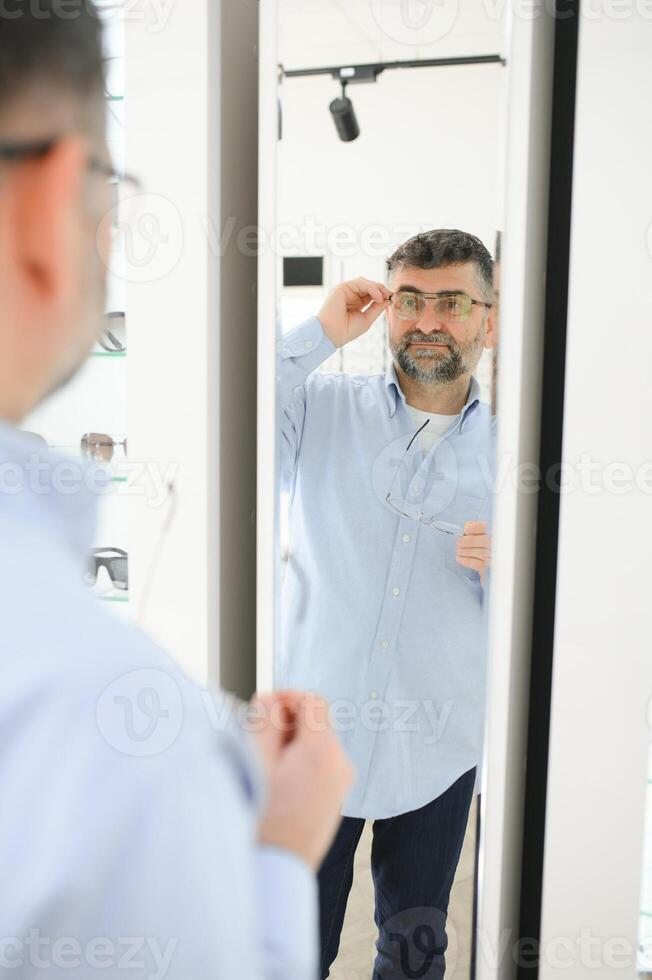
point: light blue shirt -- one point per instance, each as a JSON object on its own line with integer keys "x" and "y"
{"x": 130, "y": 798}
{"x": 377, "y": 614}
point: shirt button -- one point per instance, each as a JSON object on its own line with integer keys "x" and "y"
{"x": 384, "y": 644}
{"x": 307, "y": 344}
{"x": 396, "y": 591}
{"x": 406, "y": 539}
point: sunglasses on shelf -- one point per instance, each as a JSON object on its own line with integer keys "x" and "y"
{"x": 96, "y": 446}
{"x": 115, "y": 560}
{"x": 112, "y": 338}
{"x": 100, "y": 447}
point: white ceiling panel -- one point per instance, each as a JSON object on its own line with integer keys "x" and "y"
{"x": 315, "y": 33}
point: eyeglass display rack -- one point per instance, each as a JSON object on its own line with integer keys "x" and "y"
{"x": 96, "y": 399}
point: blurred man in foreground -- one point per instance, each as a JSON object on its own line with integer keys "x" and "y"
{"x": 193, "y": 857}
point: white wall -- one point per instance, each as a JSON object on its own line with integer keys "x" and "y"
{"x": 429, "y": 155}
{"x": 602, "y": 681}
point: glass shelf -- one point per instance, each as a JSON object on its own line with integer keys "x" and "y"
{"x": 108, "y": 353}
{"x": 113, "y": 598}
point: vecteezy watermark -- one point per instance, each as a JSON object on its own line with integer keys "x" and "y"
{"x": 152, "y": 14}
{"x": 147, "y": 234}
{"x": 585, "y": 950}
{"x": 530, "y": 10}
{"x": 416, "y": 942}
{"x": 144, "y": 954}
{"x": 415, "y": 22}
{"x": 416, "y": 483}
{"x": 373, "y": 713}
{"x": 306, "y": 237}
{"x": 141, "y": 713}
{"x": 42, "y": 476}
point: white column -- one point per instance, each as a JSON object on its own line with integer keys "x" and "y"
{"x": 191, "y": 90}
{"x": 602, "y": 679}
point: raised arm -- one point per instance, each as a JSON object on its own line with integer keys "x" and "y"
{"x": 348, "y": 312}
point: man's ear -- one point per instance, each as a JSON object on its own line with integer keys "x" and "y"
{"x": 47, "y": 224}
{"x": 490, "y": 337}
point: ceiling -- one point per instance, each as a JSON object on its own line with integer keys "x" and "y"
{"x": 315, "y": 33}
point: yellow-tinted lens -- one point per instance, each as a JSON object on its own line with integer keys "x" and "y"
{"x": 454, "y": 306}
{"x": 409, "y": 306}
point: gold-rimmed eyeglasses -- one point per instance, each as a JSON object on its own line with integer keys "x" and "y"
{"x": 450, "y": 305}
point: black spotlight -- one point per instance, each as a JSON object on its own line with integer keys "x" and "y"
{"x": 343, "y": 115}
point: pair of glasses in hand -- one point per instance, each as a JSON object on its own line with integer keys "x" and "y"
{"x": 397, "y": 504}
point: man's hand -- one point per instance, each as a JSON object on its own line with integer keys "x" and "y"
{"x": 308, "y": 773}
{"x": 351, "y": 308}
{"x": 474, "y": 547}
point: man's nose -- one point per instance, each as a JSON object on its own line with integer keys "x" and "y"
{"x": 430, "y": 322}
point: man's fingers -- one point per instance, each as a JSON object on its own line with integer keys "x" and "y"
{"x": 373, "y": 312}
{"x": 366, "y": 288}
{"x": 475, "y": 527}
{"x": 480, "y": 553}
{"x": 474, "y": 541}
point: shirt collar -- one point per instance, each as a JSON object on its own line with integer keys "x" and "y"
{"x": 55, "y": 493}
{"x": 395, "y": 393}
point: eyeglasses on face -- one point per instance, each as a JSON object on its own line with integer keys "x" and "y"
{"x": 450, "y": 305}
{"x": 15, "y": 152}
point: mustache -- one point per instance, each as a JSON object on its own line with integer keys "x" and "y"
{"x": 432, "y": 338}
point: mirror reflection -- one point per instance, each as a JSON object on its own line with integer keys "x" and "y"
{"x": 390, "y": 204}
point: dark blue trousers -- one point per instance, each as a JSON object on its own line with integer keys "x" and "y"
{"x": 413, "y": 861}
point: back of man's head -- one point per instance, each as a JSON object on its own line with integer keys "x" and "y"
{"x": 52, "y": 262}
{"x": 50, "y": 57}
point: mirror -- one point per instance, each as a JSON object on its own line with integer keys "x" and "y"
{"x": 389, "y": 210}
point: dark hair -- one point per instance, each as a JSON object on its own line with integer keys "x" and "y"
{"x": 60, "y": 47}
{"x": 441, "y": 247}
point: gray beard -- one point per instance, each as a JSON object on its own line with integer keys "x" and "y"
{"x": 430, "y": 368}
{"x": 435, "y": 368}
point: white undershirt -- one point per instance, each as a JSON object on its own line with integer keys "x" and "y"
{"x": 437, "y": 425}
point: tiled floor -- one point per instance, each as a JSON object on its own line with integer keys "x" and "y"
{"x": 357, "y": 949}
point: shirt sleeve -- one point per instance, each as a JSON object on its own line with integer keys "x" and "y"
{"x": 156, "y": 853}
{"x": 300, "y": 352}
{"x": 287, "y": 890}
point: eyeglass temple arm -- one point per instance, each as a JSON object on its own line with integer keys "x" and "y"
{"x": 416, "y": 434}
